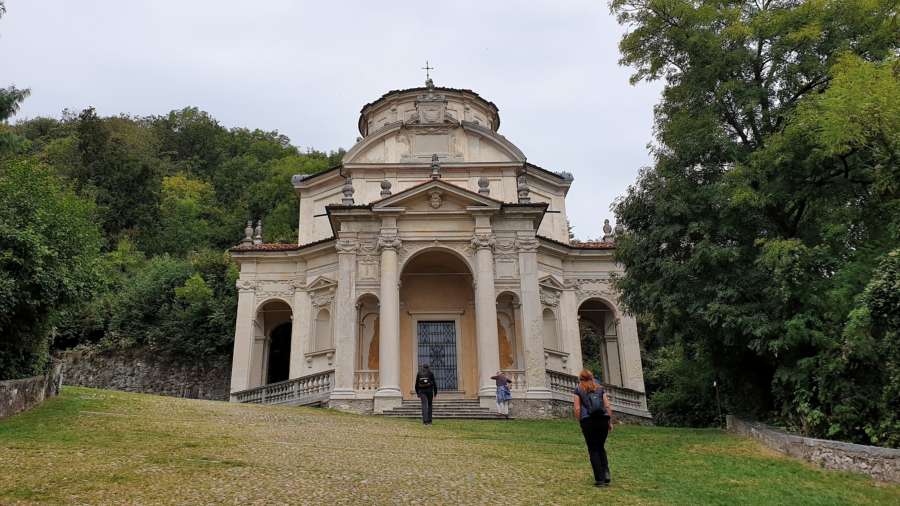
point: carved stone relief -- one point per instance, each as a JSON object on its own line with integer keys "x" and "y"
{"x": 527, "y": 245}
{"x": 367, "y": 263}
{"x": 346, "y": 245}
{"x": 586, "y": 288}
{"x": 245, "y": 285}
{"x": 549, "y": 297}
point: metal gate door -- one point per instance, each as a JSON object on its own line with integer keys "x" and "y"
{"x": 437, "y": 348}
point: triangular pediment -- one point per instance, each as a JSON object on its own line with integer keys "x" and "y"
{"x": 551, "y": 282}
{"x": 321, "y": 283}
{"x": 436, "y": 195}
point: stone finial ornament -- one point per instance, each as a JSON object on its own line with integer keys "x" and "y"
{"x": 248, "y": 233}
{"x": 435, "y": 167}
{"x": 348, "y": 192}
{"x": 607, "y": 231}
{"x": 484, "y": 186}
{"x": 523, "y": 190}
{"x": 257, "y": 233}
{"x": 385, "y": 188}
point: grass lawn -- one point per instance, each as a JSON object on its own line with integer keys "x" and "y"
{"x": 100, "y": 447}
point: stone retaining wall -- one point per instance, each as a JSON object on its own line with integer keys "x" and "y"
{"x": 879, "y": 463}
{"x": 21, "y": 394}
{"x": 146, "y": 372}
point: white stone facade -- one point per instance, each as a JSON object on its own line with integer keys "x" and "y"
{"x": 433, "y": 225}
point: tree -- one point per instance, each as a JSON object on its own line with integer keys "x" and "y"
{"x": 49, "y": 245}
{"x": 121, "y": 171}
{"x": 763, "y": 216}
{"x": 189, "y": 216}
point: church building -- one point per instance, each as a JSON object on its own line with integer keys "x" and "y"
{"x": 434, "y": 241}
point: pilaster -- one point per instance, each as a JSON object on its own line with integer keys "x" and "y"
{"x": 345, "y": 317}
{"x": 532, "y": 320}
{"x": 243, "y": 336}
{"x": 571, "y": 333}
{"x": 300, "y": 324}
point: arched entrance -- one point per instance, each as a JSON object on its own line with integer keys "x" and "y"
{"x": 272, "y": 344}
{"x": 279, "y": 354}
{"x": 600, "y": 352}
{"x": 437, "y": 322}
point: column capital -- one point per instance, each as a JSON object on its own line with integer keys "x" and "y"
{"x": 483, "y": 240}
{"x": 527, "y": 244}
{"x": 346, "y": 245}
{"x": 245, "y": 285}
{"x": 389, "y": 242}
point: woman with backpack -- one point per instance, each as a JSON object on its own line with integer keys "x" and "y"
{"x": 426, "y": 389}
{"x": 503, "y": 393}
{"x": 593, "y": 412}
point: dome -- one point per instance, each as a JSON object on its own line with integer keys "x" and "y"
{"x": 428, "y": 105}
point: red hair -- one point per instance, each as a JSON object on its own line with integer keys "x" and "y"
{"x": 586, "y": 381}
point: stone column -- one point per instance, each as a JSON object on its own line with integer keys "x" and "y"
{"x": 299, "y": 326}
{"x": 485, "y": 317}
{"x": 532, "y": 319}
{"x": 388, "y": 394}
{"x": 243, "y": 336}
{"x": 344, "y": 319}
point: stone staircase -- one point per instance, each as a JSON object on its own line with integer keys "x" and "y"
{"x": 468, "y": 409}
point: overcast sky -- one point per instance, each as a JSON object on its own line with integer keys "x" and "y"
{"x": 306, "y": 68}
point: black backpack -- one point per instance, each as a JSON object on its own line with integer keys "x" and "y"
{"x": 424, "y": 382}
{"x": 593, "y": 402}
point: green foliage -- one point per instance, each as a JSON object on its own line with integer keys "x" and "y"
{"x": 182, "y": 307}
{"x": 682, "y": 386}
{"x": 772, "y": 199}
{"x": 49, "y": 244}
{"x": 172, "y": 193}
{"x": 189, "y": 216}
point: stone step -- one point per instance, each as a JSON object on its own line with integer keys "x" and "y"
{"x": 437, "y": 416}
{"x": 441, "y": 413}
{"x": 470, "y": 409}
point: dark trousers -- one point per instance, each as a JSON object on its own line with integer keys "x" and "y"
{"x": 595, "y": 430}
{"x": 426, "y": 399}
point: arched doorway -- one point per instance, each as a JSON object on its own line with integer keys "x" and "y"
{"x": 273, "y": 342}
{"x": 598, "y": 329}
{"x": 279, "y": 354}
{"x": 437, "y": 322}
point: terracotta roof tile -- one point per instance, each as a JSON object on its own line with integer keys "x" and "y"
{"x": 276, "y": 246}
{"x": 576, "y": 244}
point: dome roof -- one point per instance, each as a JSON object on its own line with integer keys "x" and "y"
{"x": 489, "y": 111}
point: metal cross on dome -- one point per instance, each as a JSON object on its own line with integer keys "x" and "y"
{"x": 427, "y": 69}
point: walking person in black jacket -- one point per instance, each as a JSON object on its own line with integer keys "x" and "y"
{"x": 594, "y": 414}
{"x": 426, "y": 389}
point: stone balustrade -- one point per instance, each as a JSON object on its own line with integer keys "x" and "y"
{"x": 311, "y": 389}
{"x": 561, "y": 383}
{"x": 517, "y": 377}
{"x": 623, "y": 400}
{"x": 621, "y": 397}
{"x": 365, "y": 380}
